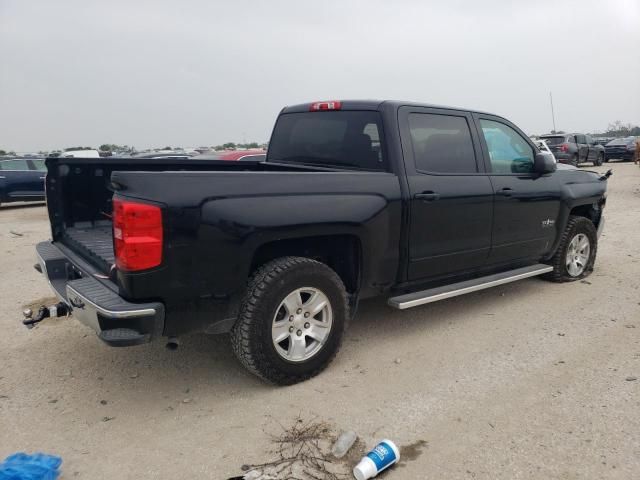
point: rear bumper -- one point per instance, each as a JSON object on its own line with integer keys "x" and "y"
{"x": 619, "y": 155}
{"x": 93, "y": 302}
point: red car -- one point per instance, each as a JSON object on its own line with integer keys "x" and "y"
{"x": 255, "y": 155}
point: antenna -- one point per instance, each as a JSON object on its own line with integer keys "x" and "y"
{"x": 553, "y": 116}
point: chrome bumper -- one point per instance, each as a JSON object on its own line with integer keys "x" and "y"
{"x": 116, "y": 321}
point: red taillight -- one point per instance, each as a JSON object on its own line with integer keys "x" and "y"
{"x": 330, "y": 105}
{"x": 137, "y": 235}
{"x": 564, "y": 147}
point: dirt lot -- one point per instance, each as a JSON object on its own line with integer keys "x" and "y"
{"x": 531, "y": 380}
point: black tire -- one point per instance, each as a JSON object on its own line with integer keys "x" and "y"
{"x": 251, "y": 335}
{"x": 575, "y": 225}
{"x": 599, "y": 161}
{"x": 574, "y": 160}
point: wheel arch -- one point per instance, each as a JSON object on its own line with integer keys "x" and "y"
{"x": 341, "y": 252}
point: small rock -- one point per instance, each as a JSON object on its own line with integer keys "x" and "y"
{"x": 586, "y": 282}
{"x": 397, "y": 360}
{"x": 630, "y": 326}
{"x": 107, "y": 419}
{"x": 245, "y": 467}
{"x": 186, "y": 400}
{"x": 100, "y": 378}
{"x": 631, "y": 379}
{"x": 53, "y": 400}
{"x": 561, "y": 334}
{"x": 187, "y": 390}
{"x": 103, "y": 402}
{"x": 133, "y": 375}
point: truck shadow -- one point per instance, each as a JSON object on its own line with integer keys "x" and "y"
{"x": 205, "y": 366}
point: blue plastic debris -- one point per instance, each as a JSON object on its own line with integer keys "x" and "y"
{"x": 22, "y": 466}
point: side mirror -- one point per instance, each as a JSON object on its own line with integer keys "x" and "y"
{"x": 544, "y": 163}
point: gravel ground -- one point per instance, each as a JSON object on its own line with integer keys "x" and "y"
{"x": 531, "y": 380}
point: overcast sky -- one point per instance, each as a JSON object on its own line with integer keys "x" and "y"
{"x": 192, "y": 73}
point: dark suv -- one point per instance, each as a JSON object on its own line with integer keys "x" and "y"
{"x": 620, "y": 148}
{"x": 575, "y": 148}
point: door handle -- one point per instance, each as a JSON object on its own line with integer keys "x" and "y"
{"x": 427, "y": 196}
{"x": 505, "y": 192}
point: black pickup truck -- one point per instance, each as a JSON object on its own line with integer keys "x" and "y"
{"x": 355, "y": 199}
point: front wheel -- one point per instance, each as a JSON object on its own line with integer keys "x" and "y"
{"x": 576, "y": 253}
{"x": 599, "y": 161}
{"x": 574, "y": 160}
{"x": 291, "y": 321}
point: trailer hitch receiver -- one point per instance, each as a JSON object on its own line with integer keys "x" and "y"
{"x": 57, "y": 310}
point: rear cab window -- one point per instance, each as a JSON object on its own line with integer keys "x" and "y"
{"x": 334, "y": 139}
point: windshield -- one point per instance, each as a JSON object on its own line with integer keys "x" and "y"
{"x": 553, "y": 140}
{"x": 343, "y": 139}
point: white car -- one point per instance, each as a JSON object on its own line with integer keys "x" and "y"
{"x": 81, "y": 154}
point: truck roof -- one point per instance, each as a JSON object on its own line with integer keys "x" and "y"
{"x": 374, "y": 105}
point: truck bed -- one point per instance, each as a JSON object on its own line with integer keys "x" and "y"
{"x": 80, "y": 191}
{"x": 92, "y": 241}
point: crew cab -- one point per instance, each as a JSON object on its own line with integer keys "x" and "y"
{"x": 575, "y": 148}
{"x": 355, "y": 199}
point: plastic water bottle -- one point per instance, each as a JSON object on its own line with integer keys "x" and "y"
{"x": 344, "y": 442}
{"x": 380, "y": 458}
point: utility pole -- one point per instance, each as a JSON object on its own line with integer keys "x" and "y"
{"x": 553, "y": 116}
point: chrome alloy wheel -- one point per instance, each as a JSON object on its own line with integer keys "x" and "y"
{"x": 578, "y": 254}
{"x": 301, "y": 324}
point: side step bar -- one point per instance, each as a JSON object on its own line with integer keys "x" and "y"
{"x": 448, "y": 291}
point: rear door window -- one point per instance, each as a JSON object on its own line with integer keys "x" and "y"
{"x": 442, "y": 143}
{"x": 343, "y": 139}
{"x": 509, "y": 152}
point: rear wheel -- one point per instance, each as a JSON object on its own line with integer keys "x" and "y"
{"x": 291, "y": 321}
{"x": 576, "y": 253}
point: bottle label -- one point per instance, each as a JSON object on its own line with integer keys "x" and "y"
{"x": 382, "y": 455}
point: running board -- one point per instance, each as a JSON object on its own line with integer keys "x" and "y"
{"x": 448, "y": 291}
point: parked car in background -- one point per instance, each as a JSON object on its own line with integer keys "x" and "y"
{"x": 575, "y": 148}
{"x": 161, "y": 154}
{"x": 236, "y": 155}
{"x": 603, "y": 140}
{"x": 543, "y": 147}
{"x": 80, "y": 154}
{"x": 620, "y": 148}
{"x": 22, "y": 179}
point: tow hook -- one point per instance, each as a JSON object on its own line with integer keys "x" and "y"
{"x": 57, "y": 310}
